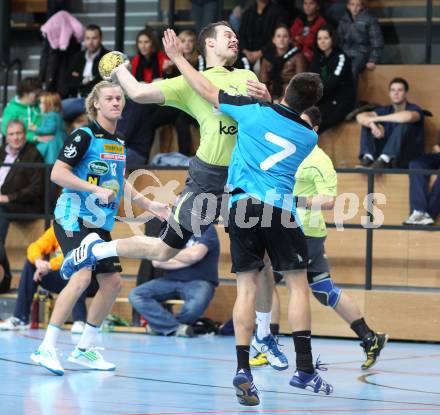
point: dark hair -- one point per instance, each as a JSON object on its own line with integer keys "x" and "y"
{"x": 281, "y": 26}
{"x": 304, "y": 90}
{"x": 93, "y": 27}
{"x": 153, "y": 38}
{"x": 315, "y": 116}
{"x": 398, "y": 80}
{"x": 15, "y": 122}
{"x": 209, "y": 31}
{"x": 333, "y": 36}
{"x": 28, "y": 85}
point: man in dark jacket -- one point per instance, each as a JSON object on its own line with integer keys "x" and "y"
{"x": 21, "y": 189}
{"x": 84, "y": 73}
{"x": 257, "y": 27}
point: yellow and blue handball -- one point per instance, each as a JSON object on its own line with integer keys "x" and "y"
{"x": 110, "y": 61}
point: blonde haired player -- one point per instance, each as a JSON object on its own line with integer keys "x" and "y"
{"x": 90, "y": 168}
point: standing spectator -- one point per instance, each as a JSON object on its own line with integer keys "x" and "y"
{"x": 392, "y": 135}
{"x": 305, "y": 27}
{"x": 424, "y": 203}
{"x": 204, "y": 12}
{"x": 191, "y": 275}
{"x": 51, "y": 133}
{"x": 23, "y": 107}
{"x": 21, "y": 189}
{"x": 281, "y": 61}
{"x": 360, "y": 37}
{"x": 84, "y": 73}
{"x": 257, "y": 27}
{"x": 149, "y": 64}
{"x": 62, "y": 37}
{"x": 334, "y": 67}
{"x": 37, "y": 270}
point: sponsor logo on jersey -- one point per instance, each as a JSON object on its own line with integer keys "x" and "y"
{"x": 70, "y": 151}
{"x": 114, "y": 148}
{"x": 106, "y": 156}
{"x": 111, "y": 184}
{"x": 98, "y": 167}
{"x": 93, "y": 178}
{"x": 227, "y": 130}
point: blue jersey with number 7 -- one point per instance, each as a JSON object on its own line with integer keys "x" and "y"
{"x": 272, "y": 142}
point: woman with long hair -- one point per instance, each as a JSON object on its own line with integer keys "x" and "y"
{"x": 334, "y": 67}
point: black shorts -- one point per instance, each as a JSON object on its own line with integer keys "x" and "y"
{"x": 284, "y": 243}
{"x": 199, "y": 204}
{"x": 69, "y": 240}
{"x": 317, "y": 262}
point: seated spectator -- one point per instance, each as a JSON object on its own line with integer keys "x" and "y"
{"x": 21, "y": 189}
{"x": 83, "y": 72}
{"x": 23, "y": 107}
{"x": 257, "y": 27}
{"x": 51, "y": 133}
{"x": 424, "y": 203}
{"x": 5, "y": 271}
{"x": 191, "y": 275}
{"x": 281, "y": 61}
{"x": 333, "y": 10}
{"x": 394, "y": 134}
{"x": 149, "y": 64}
{"x": 306, "y": 26}
{"x": 360, "y": 37}
{"x": 235, "y": 18}
{"x": 334, "y": 67}
{"x": 38, "y": 270}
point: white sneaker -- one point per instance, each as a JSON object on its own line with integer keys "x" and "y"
{"x": 90, "y": 358}
{"x": 77, "y": 327}
{"x": 46, "y": 356}
{"x": 269, "y": 345}
{"x": 14, "y": 323}
{"x": 419, "y": 218}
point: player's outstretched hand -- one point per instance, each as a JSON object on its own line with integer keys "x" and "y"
{"x": 258, "y": 90}
{"x": 172, "y": 44}
{"x": 161, "y": 210}
{"x": 105, "y": 195}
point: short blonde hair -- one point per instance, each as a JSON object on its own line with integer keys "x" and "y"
{"x": 94, "y": 95}
{"x": 52, "y": 101}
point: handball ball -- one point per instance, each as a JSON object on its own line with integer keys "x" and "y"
{"x": 109, "y": 62}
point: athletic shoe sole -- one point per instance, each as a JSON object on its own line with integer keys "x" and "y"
{"x": 242, "y": 388}
{"x": 73, "y": 360}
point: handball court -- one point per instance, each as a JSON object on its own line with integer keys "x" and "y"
{"x": 178, "y": 376}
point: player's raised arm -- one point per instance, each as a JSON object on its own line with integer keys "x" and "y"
{"x": 198, "y": 82}
{"x": 137, "y": 91}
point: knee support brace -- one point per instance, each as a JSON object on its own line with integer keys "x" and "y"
{"x": 324, "y": 289}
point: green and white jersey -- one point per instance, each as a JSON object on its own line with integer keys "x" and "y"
{"x": 217, "y": 131}
{"x": 315, "y": 176}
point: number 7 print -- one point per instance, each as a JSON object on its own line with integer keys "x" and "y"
{"x": 288, "y": 149}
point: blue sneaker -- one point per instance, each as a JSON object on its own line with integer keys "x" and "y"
{"x": 247, "y": 393}
{"x": 80, "y": 257}
{"x": 269, "y": 345}
{"x": 313, "y": 381}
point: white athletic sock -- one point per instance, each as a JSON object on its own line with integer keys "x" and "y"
{"x": 368, "y": 156}
{"x": 105, "y": 250}
{"x": 263, "y": 324}
{"x": 88, "y": 337}
{"x": 385, "y": 157}
{"x": 51, "y": 336}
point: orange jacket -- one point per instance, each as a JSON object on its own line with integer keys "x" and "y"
{"x": 47, "y": 244}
